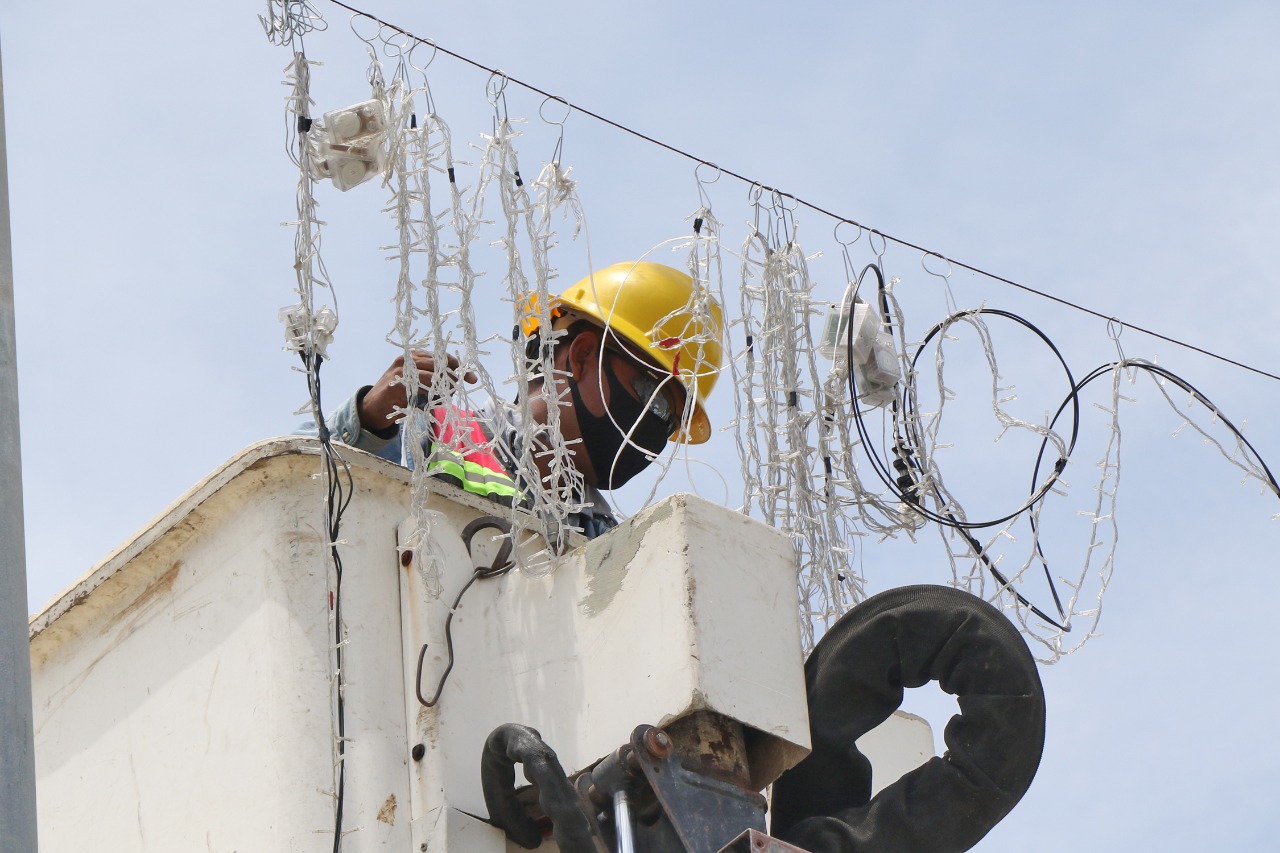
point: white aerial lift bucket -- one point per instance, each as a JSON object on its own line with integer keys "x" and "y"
{"x": 184, "y": 690}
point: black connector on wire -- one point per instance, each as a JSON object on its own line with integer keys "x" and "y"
{"x": 908, "y": 484}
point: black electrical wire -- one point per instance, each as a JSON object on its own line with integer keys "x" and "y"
{"x": 913, "y": 471}
{"x": 905, "y": 446}
{"x": 502, "y": 563}
{"x": 337, "y": 498}
{"x": 909, "y": 494}
{"x": 910, "y": 415}
{"x": 784, "y": 195}
{"x": 1157, "y": 370}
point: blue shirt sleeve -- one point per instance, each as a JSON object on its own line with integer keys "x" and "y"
{"x": 344, "y": 426}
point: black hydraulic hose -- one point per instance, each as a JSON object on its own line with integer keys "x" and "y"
{"x": 855, "y": 677}
{"x": 511, "y": 744}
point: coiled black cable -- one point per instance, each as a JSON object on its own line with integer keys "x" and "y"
{"x": 906, "y": 486}
{"x": 1073, "y": 399}
{"x": 907, "y": 439}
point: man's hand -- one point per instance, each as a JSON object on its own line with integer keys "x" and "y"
{"x": 389, "y": 394}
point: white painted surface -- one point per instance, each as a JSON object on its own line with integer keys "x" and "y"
{"x": 898, "y": 745}
{"x": 445, "y": 829}
{"x": 182, "y": 691}
{"x": 688, "y": 606}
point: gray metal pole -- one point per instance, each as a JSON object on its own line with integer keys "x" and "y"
{"x": 17, "y": 741}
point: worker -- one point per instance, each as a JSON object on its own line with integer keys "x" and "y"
{"x": 633, "y": 368}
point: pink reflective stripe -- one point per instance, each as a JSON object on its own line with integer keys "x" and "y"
{"x": 472, "y": 448}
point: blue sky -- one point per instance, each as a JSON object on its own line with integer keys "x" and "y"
{"x": 1122, "y": 156}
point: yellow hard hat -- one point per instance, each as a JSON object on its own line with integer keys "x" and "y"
{"x": 655, "y": 309}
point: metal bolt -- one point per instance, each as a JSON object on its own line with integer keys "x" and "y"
{"x": 406, "y": 557}
{"x": 657, "y": 743}
{"x": 418, "y": 751}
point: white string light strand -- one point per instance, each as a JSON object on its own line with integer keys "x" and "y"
{"x": 924, "y": 252}
{"x": 792, "y": 426}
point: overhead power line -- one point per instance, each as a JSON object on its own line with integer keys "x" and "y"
{"x": 800, "y": 201}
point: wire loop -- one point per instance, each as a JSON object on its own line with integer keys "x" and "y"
{"x": 835, "y": 232}
{"x": 952, "y": 308}
{"x": 704, "y": 199}
{"x": 366, "y": 39}
{"x": 568, "y": 111}
{"x": 884, "y": 243}
{"x": 496, "y": 94}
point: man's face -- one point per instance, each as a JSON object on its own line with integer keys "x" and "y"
{"x": 662, "y": 394}
{"x": 623, "y": 408}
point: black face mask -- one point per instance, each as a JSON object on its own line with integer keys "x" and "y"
{"x": 615, "y": 463}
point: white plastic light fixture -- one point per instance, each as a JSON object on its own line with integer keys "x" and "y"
{"x": 322, "y": 325}
{"x": 875, "y": 363}
{"x": 353, "y": 149}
